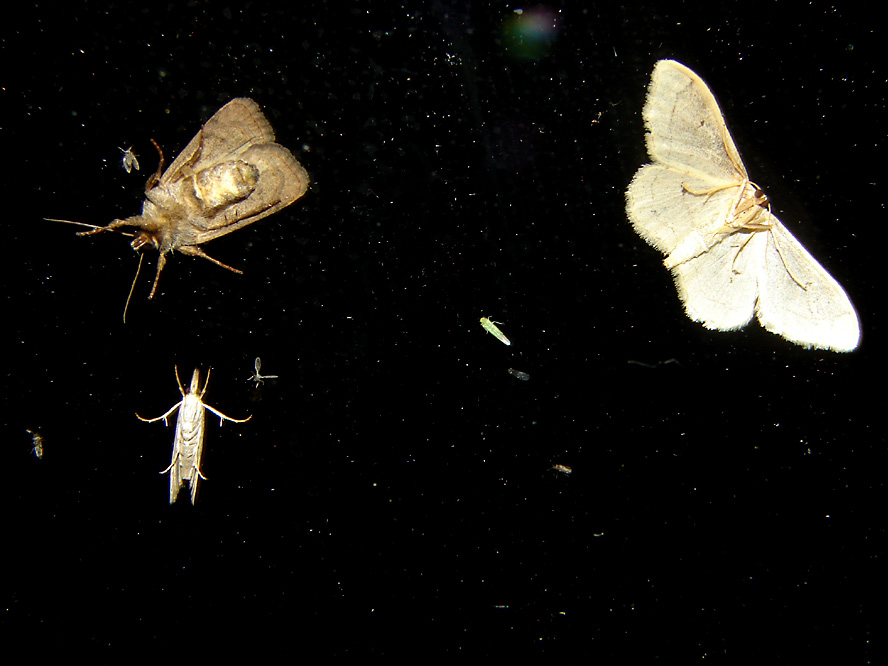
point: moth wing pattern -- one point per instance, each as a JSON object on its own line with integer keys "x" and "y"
{"x": 231, "y": 130}
{"x": 240, "y": 131}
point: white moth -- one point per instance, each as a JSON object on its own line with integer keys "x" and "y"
{"x": 129, "y": 160}
{"x": 491, "y": 327}
{"x": 36, "y": 443}
{"x": 256, "y": 376}
{"x": 188, "y": 444}
{"x": 730, "y": 256}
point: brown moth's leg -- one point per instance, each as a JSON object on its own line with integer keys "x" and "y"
{"x": 195, "y": 251}
{"x": 155, "y": 177}
{"x": 161, "y": 260}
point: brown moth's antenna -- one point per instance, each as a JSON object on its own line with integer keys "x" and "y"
{"x": 95, "y": 227}
{"x": 133, "y": 285}
{"x": 155, "y": 177}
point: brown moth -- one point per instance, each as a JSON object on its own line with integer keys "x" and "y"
{"x": 230, "y": 175}
{"x": 189, "y": 440}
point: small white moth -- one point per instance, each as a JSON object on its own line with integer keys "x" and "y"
{"x": 731, "y": 257}
{"x": 129, "y": 160}
{"x": 490, "y": 327}
{"x": 256, "y": 376}
{"x": 36, "y": 443}
{"x": 188, "y": 443}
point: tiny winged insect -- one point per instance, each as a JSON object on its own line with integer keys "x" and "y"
{"x": 129, "y": 160}
{"x": 491, "y": 327}
{"x": 231, "y": 174}
{"x": 518, "y": 374}
{"x": 256, "y": 376}
{"x": 189, "y": 440}
{"x": 36, "y": 443}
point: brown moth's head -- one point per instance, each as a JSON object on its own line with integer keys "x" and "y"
{"x": 144, "y": 238}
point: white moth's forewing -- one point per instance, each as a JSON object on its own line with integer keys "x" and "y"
{"x": 730, "y": 256}
{"x": 188, "y": 449}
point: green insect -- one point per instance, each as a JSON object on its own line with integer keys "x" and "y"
{"x": 490, "y": 327}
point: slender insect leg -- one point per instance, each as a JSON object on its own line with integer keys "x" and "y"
{"x": 195, "y": 251}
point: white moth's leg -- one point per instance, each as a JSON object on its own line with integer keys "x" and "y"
{"x": 175, "y": 460}
{"x": 163, "y": 416}
{"x": 222, "y": 416}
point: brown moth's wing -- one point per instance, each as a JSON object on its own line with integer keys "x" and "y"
{"x": 282, "y": 180}
{"x": 234, "y": 128}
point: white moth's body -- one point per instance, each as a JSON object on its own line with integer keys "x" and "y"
{"x": 189, "y": 441}
{"x": 731, "y": 257}
{"x": 256, "y": 376}
{"x": 36, "y": 443}
{"x": 491, "y": 327}
{"x": 129, "y": 160}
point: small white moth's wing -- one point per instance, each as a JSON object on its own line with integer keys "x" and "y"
{"x": 799, "y": 300}
{"x": 686, "y": 129}
{"x": 666, "y": 215}
{"x": 719, "y": 286}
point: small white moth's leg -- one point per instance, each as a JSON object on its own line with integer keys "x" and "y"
{"x": 783, "y": 261}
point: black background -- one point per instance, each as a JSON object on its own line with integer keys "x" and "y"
{"x": 393, "y": 492}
